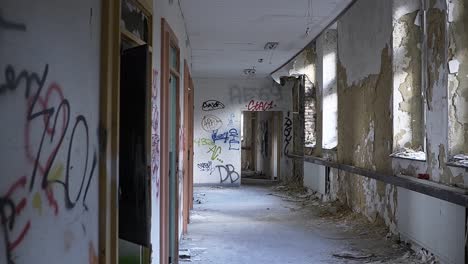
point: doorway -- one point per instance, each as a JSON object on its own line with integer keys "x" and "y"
{"x": 134, "y": 174}
{"x": 261, "y": 145}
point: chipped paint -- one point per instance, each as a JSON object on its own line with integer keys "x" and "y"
{"x": 366, "y": 134}
{"x": 408, "y": 108}
{"x": 458, "y": 79}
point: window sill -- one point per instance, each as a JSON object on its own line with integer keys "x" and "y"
{"x": 409, "y": 157}
{"x": 457, "y": 164}
{"x": 459, "y": 161}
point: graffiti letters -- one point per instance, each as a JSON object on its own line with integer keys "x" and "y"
{"x": 211, "y": 105}
{"x": 215, "y": 136}
{"x": 234, "y": 139}
{"x": 205, "y": 166}
{"x": 155, "y": 152}
{"x": 204, "y": 142}
{"x": 231, "y": 136}
{"x": 260, "y": 105}
{"x": 210, "y": 123}
{"x": 227, "y": 172}
{"x": 56, "y": 126}
{"x": 215, "y": 152}
{"x": 287, "y": 128}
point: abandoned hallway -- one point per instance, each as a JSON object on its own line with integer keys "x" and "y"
{"x": 233, "y": 131}
{"x": 265, "y": 224}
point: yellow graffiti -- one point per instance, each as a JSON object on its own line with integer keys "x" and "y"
{"x": 204, "y": 142}
{"x": 56, "y": 173}
{"x": 37, "y": 202}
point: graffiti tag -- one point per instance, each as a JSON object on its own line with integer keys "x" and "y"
{"x": 287, "y": 128}
{"x": 211, "y": 122}
{"x": 227, "y": 172}
{"x": 212, "y": 105}
{"x": 260, "y": 105}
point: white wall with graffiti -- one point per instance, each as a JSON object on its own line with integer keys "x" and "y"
{"x": 217, "y": 115}
{"x": 49, "y": 110}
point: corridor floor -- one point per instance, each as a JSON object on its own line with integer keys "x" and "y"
{"x": 258, "y": 224}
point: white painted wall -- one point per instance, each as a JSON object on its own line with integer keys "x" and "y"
{"x": 54, "y": 54}
{"x": 432, "y": 224}
{"x": 172, "y": 14}
{"x": 314, "y": 177}
{"x": 235, "y": 95}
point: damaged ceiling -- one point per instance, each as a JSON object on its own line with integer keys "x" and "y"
{"x": 228, "y": 36}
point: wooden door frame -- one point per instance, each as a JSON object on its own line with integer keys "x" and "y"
{"x": 168, "y": 37}
{"x": 188, "y": 142}
{"x": 109, "y": 132}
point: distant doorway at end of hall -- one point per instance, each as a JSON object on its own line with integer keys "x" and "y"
{"x": 261, "y": 144}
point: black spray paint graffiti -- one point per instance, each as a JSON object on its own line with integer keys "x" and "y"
{"x": 51, "y": 134}
{"x": 9, "y": 25}
{"x": 205, "y": 166}
{"x": 211, "y": 105}
{"x": 210, "y": 123}
{"x": 7, "y": 222}
{"x": 227, "y": 172}
{"x": 287, "y": 133}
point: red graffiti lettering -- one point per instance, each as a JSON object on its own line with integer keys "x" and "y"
{"x": 260, "y": 105}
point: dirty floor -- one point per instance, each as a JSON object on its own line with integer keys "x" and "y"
{"x": 267, "y": 225}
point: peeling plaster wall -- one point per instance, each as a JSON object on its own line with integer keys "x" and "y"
{"x": 408, "y": 115}
{"x": 458, "y": 79}
{"x": 417, "y": 208}
{"x": 305, "y": 64}
{"x": 364, "y": 107}
{"x": 49, "y": 150}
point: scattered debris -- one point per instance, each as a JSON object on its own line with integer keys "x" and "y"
{"x": 184, "y": 254}
{"x": 352, "y": 255}
{"x": 427, "y": 257}
{"x": 410, "y": 154}
{"x": 460, "y": 159}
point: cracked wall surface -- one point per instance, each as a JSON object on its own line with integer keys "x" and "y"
{"x": 364, "y": 107}
{"x": 417, "y": 208}
{"x": 408, "y": 118}
{"x": 458, "y": 78}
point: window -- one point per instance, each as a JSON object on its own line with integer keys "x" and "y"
{"x": 327, "y": 44}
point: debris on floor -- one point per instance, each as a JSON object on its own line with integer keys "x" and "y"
{"x": 199, "y": 198}
{"x": 184, "y": 254}
{"x": 328, "y": 230}
{"x": 352, "y": 255}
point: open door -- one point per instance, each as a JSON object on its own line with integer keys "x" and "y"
{"x": 134, "y": 181}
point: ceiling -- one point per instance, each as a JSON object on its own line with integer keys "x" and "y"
{"x": 228, "y": 36}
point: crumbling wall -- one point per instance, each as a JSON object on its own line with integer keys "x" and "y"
{"x": 429, "y": 211}
{"x": 458, "y": 76}
{"x": 364, "y": 107}
{"x": 408, "y": 116}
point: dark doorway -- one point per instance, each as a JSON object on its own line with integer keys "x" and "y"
{"x": 134, "y": 175}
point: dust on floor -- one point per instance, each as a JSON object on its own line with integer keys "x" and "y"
{"x": 258, "y": 224}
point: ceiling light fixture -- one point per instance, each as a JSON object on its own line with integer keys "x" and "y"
{"x": 271, "y": 45}
{"x": 249, "y": 72}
